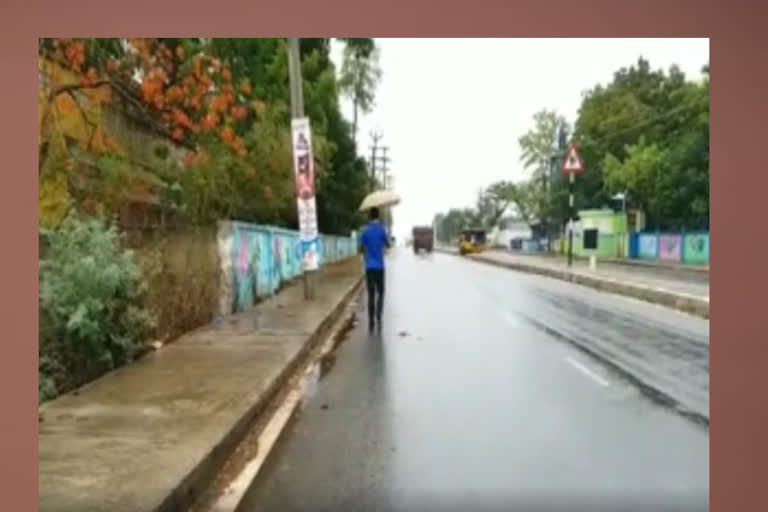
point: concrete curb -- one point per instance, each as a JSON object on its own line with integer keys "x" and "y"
{"x": 682, "y": 302}
{"x": 686, "y": 303}
{"x": 186, "y": 493}
{"x": 690, "y": 269}
{"x": 232, "y": 496}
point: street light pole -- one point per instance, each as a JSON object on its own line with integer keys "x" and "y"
{"x": 297, "y": 112}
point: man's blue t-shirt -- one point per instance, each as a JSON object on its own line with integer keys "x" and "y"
{"x": 374, "y": 239}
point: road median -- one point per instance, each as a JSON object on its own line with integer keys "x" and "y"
{"x": 151, "y": 436}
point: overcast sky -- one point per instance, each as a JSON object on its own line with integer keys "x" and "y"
{"x": 452, "y": 110}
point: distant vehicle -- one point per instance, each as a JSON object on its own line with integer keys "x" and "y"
{"x": 423, "y": 238}
{"x": 472, "y": 240}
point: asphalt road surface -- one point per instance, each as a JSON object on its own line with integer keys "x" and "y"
{"x": 462, "y": 403}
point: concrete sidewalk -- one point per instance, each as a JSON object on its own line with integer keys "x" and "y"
{"x": 684, "y": 290}
{"x": 151, "y": 435}
{"x": 677, "y": 268}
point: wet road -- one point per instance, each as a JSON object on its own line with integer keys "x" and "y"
{"x": 463, "y": 403}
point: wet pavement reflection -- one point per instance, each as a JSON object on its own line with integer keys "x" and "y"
{"x": 461, "y": 404}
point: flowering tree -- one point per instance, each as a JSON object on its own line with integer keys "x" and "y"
{"x": 217, "y": 107}
{"x": 180, "y": 93}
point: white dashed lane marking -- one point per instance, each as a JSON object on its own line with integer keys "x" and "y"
{"x": 586, "y": 371}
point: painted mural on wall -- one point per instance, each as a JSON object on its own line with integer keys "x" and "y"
{"x": 696, "y": 249}
{"x": 647, "y": 246}
{"x": 670, "y": 247}
{"x": 689, "y": 248}
{"x": 249, "y": 278}
{"x": 264, "y": 258}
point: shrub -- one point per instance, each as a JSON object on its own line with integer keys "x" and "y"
{"x": 90, "y": 302}
{"x": 182, "y": 267}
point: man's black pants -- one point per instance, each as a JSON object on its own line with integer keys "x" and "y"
{"x": 375, "y": 284}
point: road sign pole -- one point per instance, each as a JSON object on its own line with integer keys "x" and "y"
{"x": 571, "y": 180}
{"x": 572, "y": 164}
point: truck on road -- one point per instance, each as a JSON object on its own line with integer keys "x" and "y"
{"x": 423, "y": 238}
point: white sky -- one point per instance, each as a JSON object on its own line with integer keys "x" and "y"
{"x": 452, "y": 110}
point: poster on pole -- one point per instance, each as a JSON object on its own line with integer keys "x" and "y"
{"x": 303, "y": 166}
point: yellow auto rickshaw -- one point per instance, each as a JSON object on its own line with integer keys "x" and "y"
{"x": 472, "y": 241}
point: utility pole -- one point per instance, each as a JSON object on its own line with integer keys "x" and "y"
{"x": 384, "y": 169}
{"x": 380, "y": 164}
{"x": 385, "y": 184}
{"x": 375, "y": 138}
{"x": 297, "y": 112}
{"x": 294, "y": 75}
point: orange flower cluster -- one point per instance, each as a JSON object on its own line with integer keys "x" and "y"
{"x": 186, "y": 103}
{"x": 74, "y": 52}
{"x": 210, "y": 121}
{"x": 196, "y": 158}
{"x": 233, "y": 142}
{"x": 239, "y": 113}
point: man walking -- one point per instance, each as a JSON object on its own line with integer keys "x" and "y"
{"x": 374, "y": 241}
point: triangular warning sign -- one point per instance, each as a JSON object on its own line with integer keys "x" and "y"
{"x": 572, "y": 162}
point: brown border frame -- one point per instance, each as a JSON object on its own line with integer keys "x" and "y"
{"x": 740, "y": 346}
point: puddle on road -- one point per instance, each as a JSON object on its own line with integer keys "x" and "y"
{"x": 313, "y": 382}
{"x": 322, "y": 366}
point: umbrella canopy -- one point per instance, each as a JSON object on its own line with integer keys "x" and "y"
{"x": 379, "y": 199}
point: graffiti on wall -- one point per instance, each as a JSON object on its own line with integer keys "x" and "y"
{"x": 647, "y": 246}
{"x": 264, "y": 258}
{"x": 689, "y": 248}
{"x": 246, "y": 254}
{"x": 670, "y": 247}
{"x": 696, "y": 248}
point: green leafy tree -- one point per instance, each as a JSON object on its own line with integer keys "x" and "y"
{"x": 494, "y": 202}
{"x": 449, "y": 226}
{"x": 539, "y": 144}
{"x": 524, "y": 197}
{"x": 541, "y": 196}
{"x": 644, "y": 171}
{"x": 360, "y": 74}
{"x": 340, "y": 173}
{"x": 648, "y": 113}
{"x": 646, "y": 133}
